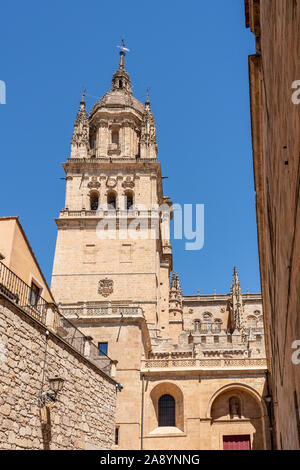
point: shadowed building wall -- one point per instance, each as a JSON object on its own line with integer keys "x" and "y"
{"x": 275, "y": 114}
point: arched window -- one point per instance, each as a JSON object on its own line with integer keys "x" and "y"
{"x": 206, "y": 324}
{"x": 197, "y": 325}
{"x": 207, "y": 317}
{"x": 94, "y": 201}
{"x": 111, "y": 200}
{"x": 115, "y": 137}
{"x": 217, "y": 324}
{"x": 120, "y": 84}
{"x": 129, "y": 200}
{"x": 166, "y": 411}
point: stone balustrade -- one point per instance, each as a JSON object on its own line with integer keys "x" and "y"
{"x": 197, "y": 363}
{"x": 97, "y": 310}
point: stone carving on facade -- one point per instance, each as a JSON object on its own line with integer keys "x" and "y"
{"x": 128, "y": 183}
{"x": 234, "y": 407}
{"x": 111, "y": 182}
{"x": 105, "y": 287}
{"x": 94, "y": 183}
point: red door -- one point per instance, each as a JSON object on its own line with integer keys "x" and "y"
{"x": 236, "y": 442}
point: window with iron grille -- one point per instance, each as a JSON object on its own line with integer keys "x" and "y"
{"x": 166, "y": 411}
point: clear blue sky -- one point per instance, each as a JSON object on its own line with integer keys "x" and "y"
{"x": 194, "y": 56}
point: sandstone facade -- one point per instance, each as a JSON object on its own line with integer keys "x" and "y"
{"x": 192, "y": 367}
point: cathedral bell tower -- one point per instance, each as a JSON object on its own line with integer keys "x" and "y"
{"x": 113, "y": 256}
{"x": 113, "y": 166}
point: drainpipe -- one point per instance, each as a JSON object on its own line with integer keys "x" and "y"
{"x": 142, "y": 414}
{"x": 269, "y": 403}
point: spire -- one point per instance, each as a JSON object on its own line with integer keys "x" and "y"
{"x": 175, "y": 295}
{"x": 121, "y": 80}
{"x": 236, "y": 301}
{"x": 148, "y": 132}
{"x": 147, "y": 102}
{"x": 175, "y": 283}
{"x": 82, "y": 101}
{"x": 80, "y": 139}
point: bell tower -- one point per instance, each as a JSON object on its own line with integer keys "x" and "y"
{"x": 113, "y": 256}
{"x": 113, "y": 172}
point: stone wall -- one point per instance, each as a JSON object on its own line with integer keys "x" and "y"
{"x": 276, "y": 148}
{"x": 83, "y": 416}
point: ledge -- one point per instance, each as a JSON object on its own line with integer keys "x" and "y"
{"x": 166, "y": 431}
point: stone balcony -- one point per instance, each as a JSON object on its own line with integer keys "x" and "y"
{"x": 96, "y": 310}
{"x": 119, "y": 213}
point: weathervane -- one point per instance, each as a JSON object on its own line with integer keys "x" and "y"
{"x": 123, "y": 48}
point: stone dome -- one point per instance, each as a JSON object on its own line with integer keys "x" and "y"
{"x": 118, "y": 98}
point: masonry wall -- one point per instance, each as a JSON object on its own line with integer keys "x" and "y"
{"x": 82, "y": 417}
{"x": 202, "y": 411}
{"x": 276, "y": 150}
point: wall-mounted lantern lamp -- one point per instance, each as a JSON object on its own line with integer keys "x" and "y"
{"x": 268, "y": 398}
{"x": 56, "y": 385}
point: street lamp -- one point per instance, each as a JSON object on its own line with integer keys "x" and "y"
{"x": 56, "y": 384}
{"x": 268, "y": 398}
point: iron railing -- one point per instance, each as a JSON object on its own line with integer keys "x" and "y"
{"x": 21, "y": 293}
{"x": 13, "y": 287}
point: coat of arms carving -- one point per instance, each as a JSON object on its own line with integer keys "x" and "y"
{"x": 128, "y": 183}
{"x": 94, "y": 183}
{"x": 105, "y": 287}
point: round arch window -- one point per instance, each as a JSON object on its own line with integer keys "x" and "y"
{"x": 166, "y": 411}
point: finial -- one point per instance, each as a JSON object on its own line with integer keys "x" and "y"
{"x": 82, "y": 101}
{"x": 122, "y": 54}
{"x": 147, "y": 102}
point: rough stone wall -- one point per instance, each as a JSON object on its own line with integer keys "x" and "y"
{"x": 276, "y": 151}
{"x": 83, "y": 416}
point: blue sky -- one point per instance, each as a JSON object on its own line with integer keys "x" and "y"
{"x": 194, "y": 56}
